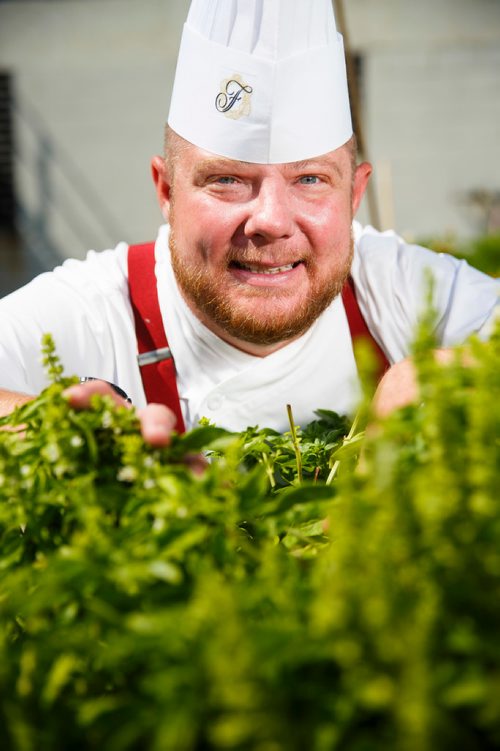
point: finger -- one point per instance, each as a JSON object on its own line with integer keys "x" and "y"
{"x": 196, "y": 463}
{"x": 157, "y": 424}
{"x": 80, "y": 395}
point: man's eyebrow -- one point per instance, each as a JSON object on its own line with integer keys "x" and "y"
{"x": 315, "y": 165}
{"x": 220, "y": 165}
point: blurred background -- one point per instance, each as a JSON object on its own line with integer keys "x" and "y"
{"x": 84, "y": 94}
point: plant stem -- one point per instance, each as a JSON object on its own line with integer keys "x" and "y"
{"x": 295, "y": 441}
{"x": 269, "y": 470}
{"x": 349, "y": 437}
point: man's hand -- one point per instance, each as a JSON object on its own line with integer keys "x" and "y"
{"x": 157, "y": 421}
{"x": 399, "y": 386}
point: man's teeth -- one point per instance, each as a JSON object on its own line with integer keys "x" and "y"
{"x": 272, "y": 270}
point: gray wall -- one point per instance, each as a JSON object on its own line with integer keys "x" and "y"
{"x": 92, "y": 80}
{"x": 92, "y": 83}
{"x": 432, "y": 109}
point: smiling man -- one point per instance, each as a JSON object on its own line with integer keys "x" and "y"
{"x": 260, "y": 277}
{"x": 272, "y": 244}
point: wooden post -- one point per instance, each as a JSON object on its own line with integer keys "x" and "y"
{"x": 354, "y": 97}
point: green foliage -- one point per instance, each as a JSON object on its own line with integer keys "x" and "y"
{"x": 289, "y": 458}
{"x": 482, "y": 252}
{"x": 145, "y": 607}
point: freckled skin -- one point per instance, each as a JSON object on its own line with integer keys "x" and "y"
{"x": 231, "y": 221}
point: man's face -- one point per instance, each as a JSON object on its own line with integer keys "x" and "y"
{"x": 259, "y": 251}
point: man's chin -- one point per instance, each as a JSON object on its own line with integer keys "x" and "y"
{"x": 258, "y": 332}
{"x": 264, "y": 319}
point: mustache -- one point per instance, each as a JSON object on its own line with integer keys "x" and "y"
{"x": 267, "y": 255}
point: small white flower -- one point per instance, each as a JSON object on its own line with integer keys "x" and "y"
{"x": 51, "y": 452}
{"x": 127, "y": 474}
{"x": 76, "y": 441}
{"x": 159, "y": 524}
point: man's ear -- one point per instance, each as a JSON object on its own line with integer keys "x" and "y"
{"x": 361, "y": 177}
{"x": 161, "y": 180}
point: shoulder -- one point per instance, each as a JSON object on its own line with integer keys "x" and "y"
{"x": 390, "y": 254}
{"x": 74, "y": 282}
{"x": 83, "y": 304}
{"x": 385, "y": 258}
{"x": 392, "y": 274}
{"x": 101, "y": 272}
{"x": 393, "y": 282}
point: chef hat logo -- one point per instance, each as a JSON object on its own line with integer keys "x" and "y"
{"x": 233, "y": 100}
{"x": 261, "y": 80}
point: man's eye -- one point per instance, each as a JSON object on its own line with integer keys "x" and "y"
{"x": 309, "y": 179}
{"x": 225, "y": 180}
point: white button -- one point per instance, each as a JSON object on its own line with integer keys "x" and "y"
{"x": 215, "y": 401}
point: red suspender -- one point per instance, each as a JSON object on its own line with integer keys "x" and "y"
{"x": 358, "y": 328}
{"x": 155, "y": 360}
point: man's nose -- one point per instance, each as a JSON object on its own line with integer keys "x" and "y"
{"x": 270, "y": 215}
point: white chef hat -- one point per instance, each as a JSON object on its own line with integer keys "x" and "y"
{"x": 261, "y": 80}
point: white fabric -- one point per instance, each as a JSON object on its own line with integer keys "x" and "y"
{"x": 85, "y": 305}
{"x": 261, "y": 81}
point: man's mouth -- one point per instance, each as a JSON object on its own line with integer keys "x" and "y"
{"x": 259, "y": 269}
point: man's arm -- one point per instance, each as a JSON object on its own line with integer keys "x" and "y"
{"x": 84, "y": 306}
{"x": 392, "y": 281}
{"x": 9, "y": 400}
{"x": 157, "y": 422}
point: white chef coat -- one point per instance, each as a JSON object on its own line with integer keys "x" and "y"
{"x": 85, "y": 306}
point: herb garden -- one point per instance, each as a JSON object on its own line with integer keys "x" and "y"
{"x": 330, "y": 588}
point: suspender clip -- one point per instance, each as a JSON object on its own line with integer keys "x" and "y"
{"x": 155, "y": 355}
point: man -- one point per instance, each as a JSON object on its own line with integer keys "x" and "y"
{"x": 259, "y": 189}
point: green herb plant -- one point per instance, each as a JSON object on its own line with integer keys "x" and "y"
{"x": 287, "y": 598}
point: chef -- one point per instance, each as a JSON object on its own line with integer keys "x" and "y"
{"x": 261, "y": 281}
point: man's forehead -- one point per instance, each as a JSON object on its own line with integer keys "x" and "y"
{"x": 202, "y": 160}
